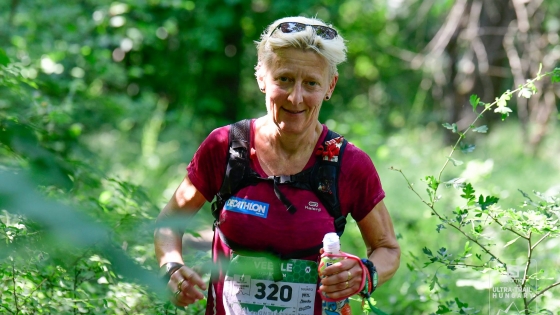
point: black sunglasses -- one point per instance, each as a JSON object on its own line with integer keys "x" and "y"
{"x": 294, "y": 27}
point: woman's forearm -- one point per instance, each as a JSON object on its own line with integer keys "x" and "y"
{"x": 168, "y": 245}
{"x": 386, "y": 261}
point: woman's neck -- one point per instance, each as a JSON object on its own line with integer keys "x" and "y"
{"x": 287, "y": 143}
{"x": 282, "y": 153}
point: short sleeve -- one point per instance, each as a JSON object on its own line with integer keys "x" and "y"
{"x": 360, "y": 185}
{"x": 207, "y": 168}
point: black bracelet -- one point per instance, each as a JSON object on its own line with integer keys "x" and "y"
{"x": 372, "y": 273}
{"x": 168, "y": 269}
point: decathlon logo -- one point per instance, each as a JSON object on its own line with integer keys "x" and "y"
{"x": 246, "y": 206}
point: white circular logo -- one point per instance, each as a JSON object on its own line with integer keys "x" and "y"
{"x": 307, "y": 269}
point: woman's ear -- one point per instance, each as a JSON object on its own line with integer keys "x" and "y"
{"x": 259, "y": 73}
{"x": 332, "y": 85}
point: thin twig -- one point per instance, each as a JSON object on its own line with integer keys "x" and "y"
{"x": 507, "y": 228}
{"x": 540, "y": 240}
{"x": 544, "y": 290}
{"x": 7, "y": 309}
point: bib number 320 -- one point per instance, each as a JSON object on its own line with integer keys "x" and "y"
{"x": 273, "y": 292}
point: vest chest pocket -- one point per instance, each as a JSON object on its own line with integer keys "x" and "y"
{"x": 249, "y": 286}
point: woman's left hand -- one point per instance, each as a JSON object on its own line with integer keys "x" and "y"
{"x": 341, "y": 279}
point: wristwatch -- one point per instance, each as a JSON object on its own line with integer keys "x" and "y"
{"x": 167, "y": 269}
{"x": 372, "y": 273}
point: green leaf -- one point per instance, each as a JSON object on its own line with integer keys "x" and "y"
{"x": 4, "y": 60}
{"x": 466, "y": 147}
{"x": 452, "y": 127}
{"x": 468, "y": 192}
{"x": 481, "y": 129}
{"x": 442, "y": 309}
{"x": 467, "y": 248}
{"x": 461, "y": 304}
{"x": 440, "y": 227}
{"x": 474, "y": 101}
{"x": 434, "y": 282}
{"x": 478, "y": 229}
{"x": 432, "y": 182}
{"x": 488, "y": 201}
{"x": 427, "y": 251}
{"x": 555, "y": 75}
{"x": 456, "y": 162}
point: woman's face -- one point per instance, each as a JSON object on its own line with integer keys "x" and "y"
{"x": 295, "y": 83}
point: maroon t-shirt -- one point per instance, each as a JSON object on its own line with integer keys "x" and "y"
{"x": 267, "y": 224}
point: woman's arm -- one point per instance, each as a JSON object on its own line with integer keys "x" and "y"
{"x": 186, "y": 201}
{"x": 381, "y": 243}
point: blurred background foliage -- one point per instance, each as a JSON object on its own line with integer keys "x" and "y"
{"x": 103, "y": 104}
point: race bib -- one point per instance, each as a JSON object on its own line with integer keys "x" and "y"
{"x": 250, "y": 289}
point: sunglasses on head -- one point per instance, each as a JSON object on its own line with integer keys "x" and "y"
{"x": 294, "y": 27}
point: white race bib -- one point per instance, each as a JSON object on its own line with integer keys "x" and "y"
{"x": 250, "y": 289}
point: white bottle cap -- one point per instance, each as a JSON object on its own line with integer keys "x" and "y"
{"x": 331, "y": 243}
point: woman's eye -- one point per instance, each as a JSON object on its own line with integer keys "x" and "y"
{"x": 312, "y": 83}
{"x": 283, "y": 79}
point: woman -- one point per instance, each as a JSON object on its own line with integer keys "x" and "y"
{"x": 297, "y": 71}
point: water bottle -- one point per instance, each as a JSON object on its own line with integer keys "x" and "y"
{"x": 331, "y": 246}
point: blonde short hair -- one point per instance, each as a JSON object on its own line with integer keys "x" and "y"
{"x": 333, "y": 50}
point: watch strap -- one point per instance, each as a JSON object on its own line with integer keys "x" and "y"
{"x": 167, "y": 269}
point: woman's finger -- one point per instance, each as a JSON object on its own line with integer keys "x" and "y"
{"x": 184, "y": 285}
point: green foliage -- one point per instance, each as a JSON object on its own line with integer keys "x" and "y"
{"x": 533, "y": 223}
{"x": 104, "y": 102}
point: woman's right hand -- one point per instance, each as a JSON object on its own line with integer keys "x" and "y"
{"x": 184, "y": 285}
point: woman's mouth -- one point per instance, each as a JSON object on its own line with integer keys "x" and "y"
{"x": 295, "y": 112}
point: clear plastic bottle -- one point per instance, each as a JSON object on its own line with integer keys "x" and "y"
{"x": 331, "y": 246}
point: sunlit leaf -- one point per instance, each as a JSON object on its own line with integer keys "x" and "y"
{"x": 474, "y": 100}
{"x": 481, "y": 129}
{"x": 456, "y": 162}
{"x": 512, "y": 241}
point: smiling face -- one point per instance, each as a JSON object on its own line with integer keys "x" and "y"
{"x": 295, "y": 83}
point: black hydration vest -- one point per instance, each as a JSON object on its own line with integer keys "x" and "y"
{"x": 321, "y": 178}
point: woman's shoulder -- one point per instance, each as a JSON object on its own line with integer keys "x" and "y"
{"x": 219, "y": 134}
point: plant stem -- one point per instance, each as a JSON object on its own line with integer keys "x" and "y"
{"x": 525, "y": 274}
{"x": 15, "y": 287}
{"x": 540, "y": 240}
{"x": 544, "y": 290}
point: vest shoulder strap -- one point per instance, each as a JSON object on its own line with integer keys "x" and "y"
{"x": 238, "y": 170}
{"x": 326, "y": 177}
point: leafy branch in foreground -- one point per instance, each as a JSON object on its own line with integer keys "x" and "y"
{"x": 532, "y": 224}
